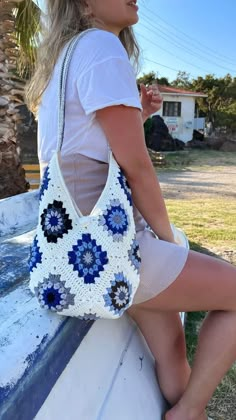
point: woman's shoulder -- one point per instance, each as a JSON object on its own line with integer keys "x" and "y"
{"x": 98, "y": 45}
{"x": 104, "y": 40}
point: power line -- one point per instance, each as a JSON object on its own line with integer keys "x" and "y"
{"x": 163, "y": 65}
{"x": 181, "y": 59}
{"x": 221, "y": 56}
{"x": 183, "y": 47}
{"x": 174, "y": 36}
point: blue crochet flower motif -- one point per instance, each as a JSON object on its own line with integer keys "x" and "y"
{"x": 35, "y": 255}
{"x": 53, "y": 294}
{"x": 55, "y": 222}
{"x": 134, "y": 255}
{"x": 125, "y": 186}
{"x": 118, "y": 295}
{"x": 44, "y": 183}
{"x": 89, "y": 317}
{"x": 88, "y": 258}
{"x": 115, "y": 220}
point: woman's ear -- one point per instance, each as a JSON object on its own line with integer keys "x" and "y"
{"x": 88, "y": 9}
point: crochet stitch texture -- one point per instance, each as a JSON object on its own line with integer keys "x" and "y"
{"x": 85, "y": 266}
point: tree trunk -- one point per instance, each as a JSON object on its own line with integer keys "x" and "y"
{"x": 12, "y": 175}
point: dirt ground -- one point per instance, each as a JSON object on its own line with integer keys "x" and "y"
{"x": 198, "y": 183}
{"x": 190, "y": 184}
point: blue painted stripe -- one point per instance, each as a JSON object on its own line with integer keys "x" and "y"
{"x": 23, "y": 401}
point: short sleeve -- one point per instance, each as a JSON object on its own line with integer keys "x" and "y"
{"x": 107, "y": 83}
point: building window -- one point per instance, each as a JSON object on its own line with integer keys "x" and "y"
{"x": 171, "y": 109}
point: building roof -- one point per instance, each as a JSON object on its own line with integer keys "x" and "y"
{"x": 182, "y": 92}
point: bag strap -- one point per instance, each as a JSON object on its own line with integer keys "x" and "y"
{"x": 62, "y": 85}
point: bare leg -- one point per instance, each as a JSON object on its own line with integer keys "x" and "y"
{"x": 215, "y": 354}
{"x": 204, "y": 284}
{"x": 165, "y": 337}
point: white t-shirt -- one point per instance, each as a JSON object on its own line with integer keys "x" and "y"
{"x": 100, "y": 75}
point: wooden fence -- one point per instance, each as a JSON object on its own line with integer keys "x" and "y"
{"x": 32, "y": 174}
{"x": 32, "y": 171}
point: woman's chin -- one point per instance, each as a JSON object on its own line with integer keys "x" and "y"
{"x": 132, "y": 21}
{"x": 135, "y": 19}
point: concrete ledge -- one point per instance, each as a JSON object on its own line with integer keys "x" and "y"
{"x": 35, "y": 345}
{"x": 110, "y": 376}
{"x": 18, "y": 213}
{"x": 22, "y": 396}
{"x": 14, "y": 261}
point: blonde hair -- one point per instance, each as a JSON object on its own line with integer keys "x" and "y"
{"x": 67, "y": 18}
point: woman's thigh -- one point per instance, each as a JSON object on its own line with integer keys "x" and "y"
{"x": 204, "y": 284}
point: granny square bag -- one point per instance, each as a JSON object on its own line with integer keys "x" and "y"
{"x": 83, "y": 266}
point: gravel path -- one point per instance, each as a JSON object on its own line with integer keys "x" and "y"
{"x": 191, "y": 184}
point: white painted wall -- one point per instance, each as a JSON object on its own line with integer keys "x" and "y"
{"x": 110, "y": 377}
{"x": 186, "y": 121}
{"x": 199, "y": 123}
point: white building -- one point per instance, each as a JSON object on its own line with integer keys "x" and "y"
{"x": 178, "y": 112}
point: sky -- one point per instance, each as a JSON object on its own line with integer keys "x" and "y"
{"x": 198, "y": 37}
{"x": 195, "y": 36}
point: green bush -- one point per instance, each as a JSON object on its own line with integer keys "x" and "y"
{"x": 147, "y": 127}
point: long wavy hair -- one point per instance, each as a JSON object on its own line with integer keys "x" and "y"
{"x": 65, "y": 19}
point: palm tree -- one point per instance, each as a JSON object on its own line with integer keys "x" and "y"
{"x": 19, "y": 28}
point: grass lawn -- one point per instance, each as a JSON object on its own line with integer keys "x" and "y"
{"x": 210, "y": 225}
{"x": 196, "y": 159}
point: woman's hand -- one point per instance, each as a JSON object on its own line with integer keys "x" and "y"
{"x": 151, "y": 100}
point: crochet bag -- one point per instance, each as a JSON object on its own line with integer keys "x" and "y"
{"x": 83, "y": 266}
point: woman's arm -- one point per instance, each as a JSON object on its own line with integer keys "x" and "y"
{"x": 123, "y": 127}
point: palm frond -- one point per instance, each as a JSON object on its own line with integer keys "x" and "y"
{"x": 27, "y": 33}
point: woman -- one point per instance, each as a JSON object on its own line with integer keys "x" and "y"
{"x": 103, "y": 106}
